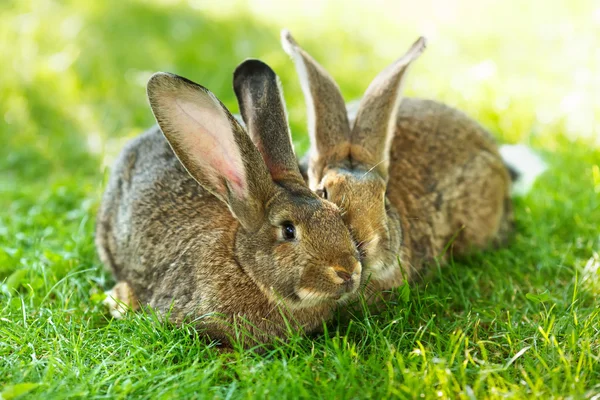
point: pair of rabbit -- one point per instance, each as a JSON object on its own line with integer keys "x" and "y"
{"x": 412, "y": 176}
{"x": 204, "y": 219}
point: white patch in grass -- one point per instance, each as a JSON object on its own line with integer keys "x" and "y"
{"x": 526, "y": 163}
{"x": 590, "y": 276}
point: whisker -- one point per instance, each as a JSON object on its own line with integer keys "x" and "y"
{"x": 372, "y": 168}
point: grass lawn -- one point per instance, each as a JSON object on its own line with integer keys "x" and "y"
{"x": 519, "y": 322}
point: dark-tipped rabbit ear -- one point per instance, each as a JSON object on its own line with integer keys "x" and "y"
{"x": 375, "y": 123}
{"x": 328, "y": 125}
{"x": 260, "y": 97}
{"x": 212, "y": 146}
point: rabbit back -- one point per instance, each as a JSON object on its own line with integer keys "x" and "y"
{"x": 447, "y": 179}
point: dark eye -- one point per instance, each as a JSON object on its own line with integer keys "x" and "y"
{"x": 288, "y": 231}
{"x": 360, "y": 245}
{"x": 322, "y": 193}
{"x": 361, "y": 249}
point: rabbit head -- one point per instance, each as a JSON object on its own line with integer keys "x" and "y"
{"x": 348, "y": 163}
{"x": 291, "y": 243}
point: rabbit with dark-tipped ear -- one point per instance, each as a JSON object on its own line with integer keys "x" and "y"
{"x": 202, "y": 224}
{"x": 411, "y": 176}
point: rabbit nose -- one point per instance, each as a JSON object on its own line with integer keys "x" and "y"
{"x": 344, "y": 275}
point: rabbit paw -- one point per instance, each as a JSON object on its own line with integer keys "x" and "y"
{"x": 120, "y": 299}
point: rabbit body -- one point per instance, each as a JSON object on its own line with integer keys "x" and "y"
{"x": 445, "y": 194}
{"x": 175, "y": 244}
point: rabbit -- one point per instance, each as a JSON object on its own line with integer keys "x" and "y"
{"x": 202, "y": 222}
{"x": 412, "y": 176}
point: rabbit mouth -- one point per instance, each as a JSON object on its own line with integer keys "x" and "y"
{"x": 380, "y": 270}
{"x": 311, "y": 297}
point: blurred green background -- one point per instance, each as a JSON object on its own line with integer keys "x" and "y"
{"x": 73, "y": 75}
{"x": 72, "y": 92}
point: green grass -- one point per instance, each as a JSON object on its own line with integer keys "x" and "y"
{"x": 519, "y": 322}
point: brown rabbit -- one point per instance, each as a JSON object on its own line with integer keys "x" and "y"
{"x": 204, "y": 226}
{"x": 412, "y": 176}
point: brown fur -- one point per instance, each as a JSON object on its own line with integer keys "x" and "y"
{"x": 174, "y": 236}
{"x": 419, "y": 177}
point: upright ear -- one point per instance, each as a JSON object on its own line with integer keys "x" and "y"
{"x": 211, "y": 145}
{"x": 375, "y": 123}
{"x": 328, "y": 125}
{"x": 260, "y": 97}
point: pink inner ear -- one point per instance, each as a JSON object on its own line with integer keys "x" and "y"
{"x": 205, "y": 134}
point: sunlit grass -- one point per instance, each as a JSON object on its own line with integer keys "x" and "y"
{"x": 522, "y": 321}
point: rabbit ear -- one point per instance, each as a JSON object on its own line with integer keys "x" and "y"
{"x": 211, "y": 145}
{"x": 375, "y": 123}
{"x": 262, "y": 107}
{"x": 328, "y": 125}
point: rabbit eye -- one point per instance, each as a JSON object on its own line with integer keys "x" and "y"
{"x": 288, "y": 231}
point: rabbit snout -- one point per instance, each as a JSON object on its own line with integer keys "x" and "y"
{"x": 328, "y": 282}
{"x": 361, "y": 197}
{"x": 346, "y": 279}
